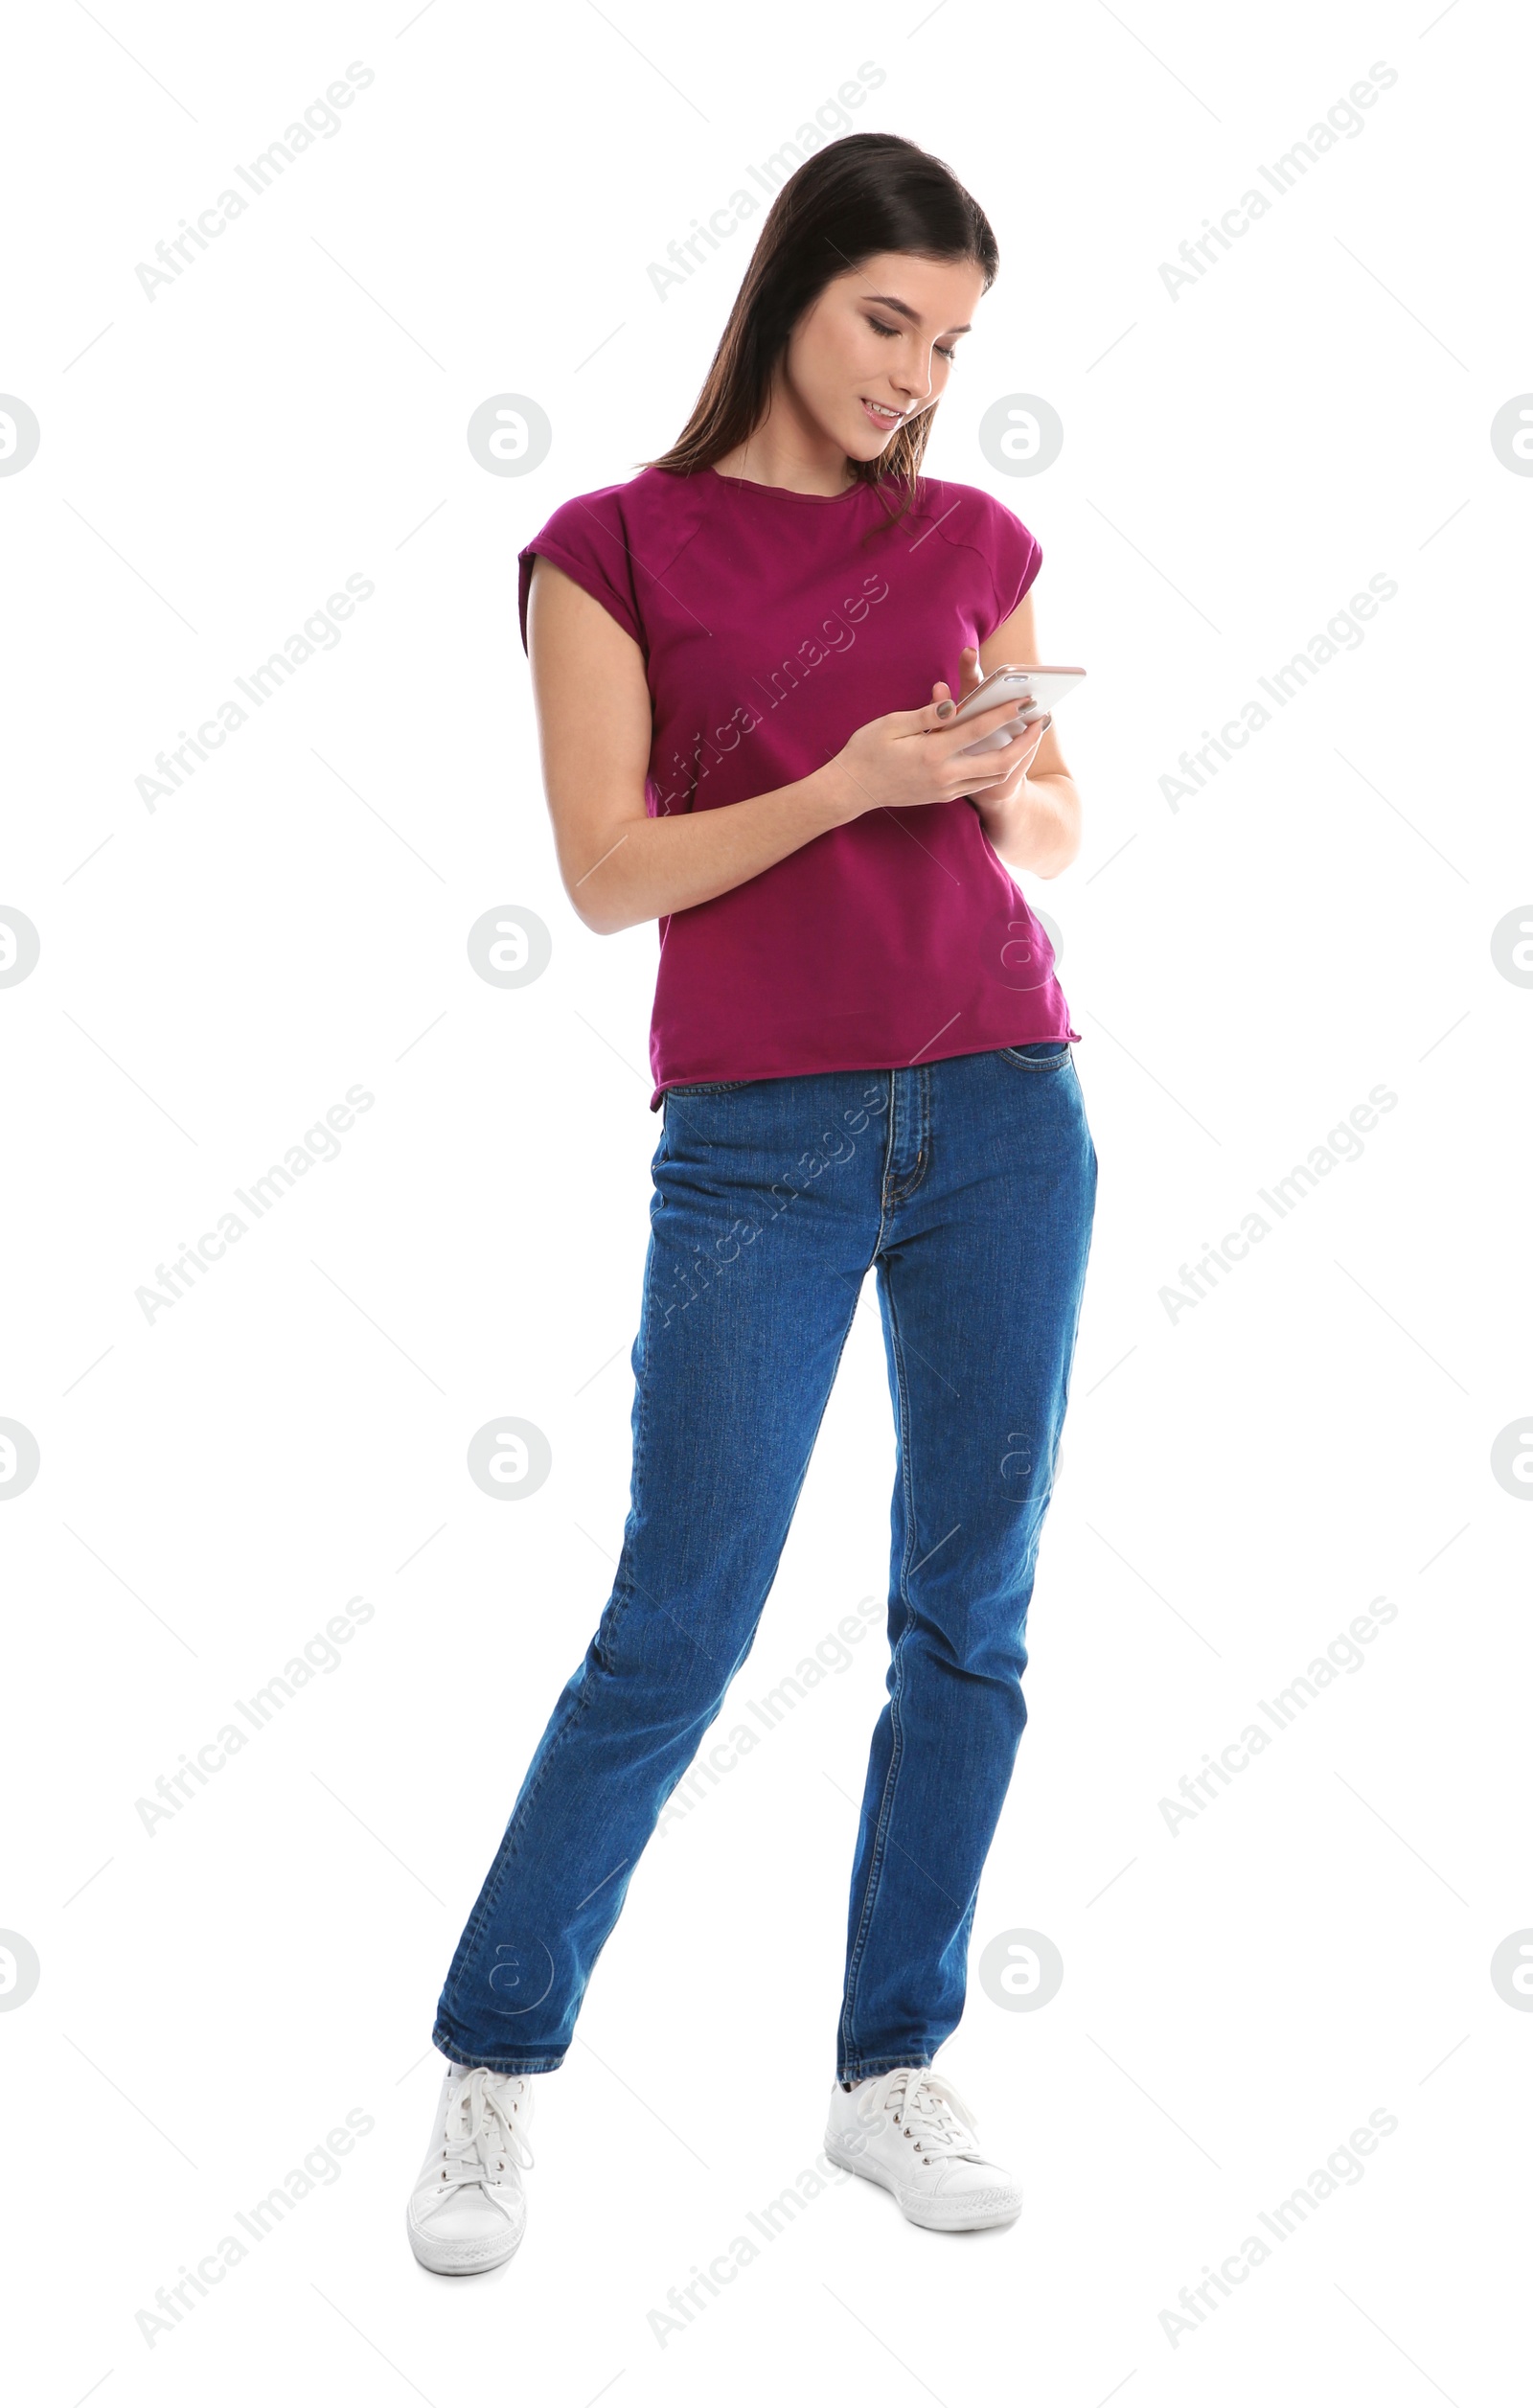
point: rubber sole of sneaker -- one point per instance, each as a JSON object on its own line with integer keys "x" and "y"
{"x": 440, "y": 2257}
{"x": 977, "y": 2214}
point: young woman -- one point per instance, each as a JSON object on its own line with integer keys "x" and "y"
{"x": 863, "y": 1060}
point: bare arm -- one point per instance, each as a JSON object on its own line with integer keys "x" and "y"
{"x": 1033, "y": 818}
{"x": 621, "y": 868}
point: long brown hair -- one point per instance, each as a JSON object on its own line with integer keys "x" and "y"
{"x": 866, "y": 193}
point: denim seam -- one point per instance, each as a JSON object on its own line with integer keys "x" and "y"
{"x": 880, "y": 1850}
{"x": 884, "y": 1198}
{"x": 621, "y": 1582}
{"x": 505, "y": 1856}
{"x": 863, "y": 2068}
{"x": 541, "y": 2065}
{"x": 1075, "y": 1328}
{"x": 923, "y": 1151}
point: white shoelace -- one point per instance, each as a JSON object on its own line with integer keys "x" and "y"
{"x": 927, "y": 2110}
{"x": 475, "y": 2156}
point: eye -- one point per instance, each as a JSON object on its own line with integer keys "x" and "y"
{"x": 942, "y": 349}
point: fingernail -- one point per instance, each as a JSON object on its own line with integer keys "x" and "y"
{"x": 943, "y": 710}
{"x": 1045, "y": 722}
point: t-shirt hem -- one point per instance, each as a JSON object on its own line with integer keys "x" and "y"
{"x": 728, "y": 1078}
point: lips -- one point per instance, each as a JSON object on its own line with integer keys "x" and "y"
{"x": 877, "y": 409}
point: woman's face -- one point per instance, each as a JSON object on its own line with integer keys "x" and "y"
{"x": 881, "y": 338}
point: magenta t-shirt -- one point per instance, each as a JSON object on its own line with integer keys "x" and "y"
{"x": 773, "y": 625}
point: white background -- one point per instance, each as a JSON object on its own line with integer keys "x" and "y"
{"x": 1236, "y": 1484}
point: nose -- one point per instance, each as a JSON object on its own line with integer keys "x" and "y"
{"x": 914, "y": 387}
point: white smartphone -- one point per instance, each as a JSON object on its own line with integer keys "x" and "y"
{"x": 1039, "y": 689}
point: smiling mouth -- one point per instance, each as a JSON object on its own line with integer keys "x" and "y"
{"x": 886, "y": 416}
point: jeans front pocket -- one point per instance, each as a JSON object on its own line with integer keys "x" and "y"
{"x": 1052, "y": 1054}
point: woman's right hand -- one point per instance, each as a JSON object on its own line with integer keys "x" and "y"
{"x": 914, "y": 757}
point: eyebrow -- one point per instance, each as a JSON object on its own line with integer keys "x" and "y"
{"x": 905, "y": 312}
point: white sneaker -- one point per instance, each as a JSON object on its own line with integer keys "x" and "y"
{"x": 467, "y": 2210}
{"x": 911, "y": 2131}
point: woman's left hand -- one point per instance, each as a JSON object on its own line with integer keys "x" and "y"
{"x": 1003, "y": 783}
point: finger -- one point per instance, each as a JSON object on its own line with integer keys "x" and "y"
{"x": 983, "y": 768}
{"x": 926, "y": 721}
{"x": 984, "y": 722}
{"x": 1019, "y": 755}
{"x": 1025, "y": 747}
{"x": 1010, "y": 765}
{"x": 992, "y": 714}
{"x": 943, "y": 699}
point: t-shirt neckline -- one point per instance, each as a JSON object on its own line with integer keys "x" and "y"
{"x": 787, "y": 493}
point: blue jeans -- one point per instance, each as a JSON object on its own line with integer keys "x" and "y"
{"x": 970, "y": 1183}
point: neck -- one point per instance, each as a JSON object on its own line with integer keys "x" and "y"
{"x": 788, "y": 450}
